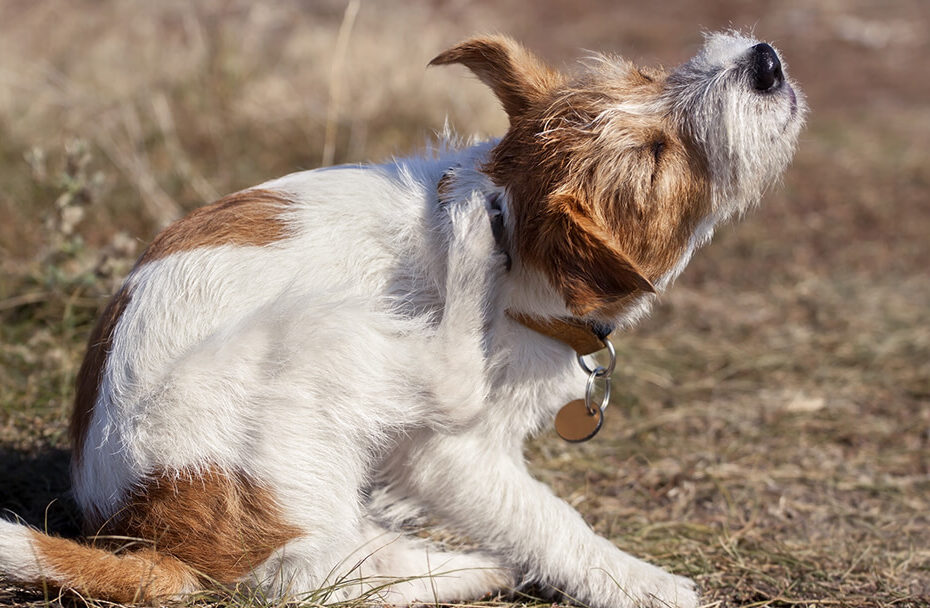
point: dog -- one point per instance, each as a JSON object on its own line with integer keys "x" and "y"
{"x": 290, "y": 376}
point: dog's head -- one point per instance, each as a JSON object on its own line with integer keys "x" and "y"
{"x": 616, "y": 174}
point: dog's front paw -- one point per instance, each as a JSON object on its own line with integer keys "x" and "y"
{"x": 660, "y": 589}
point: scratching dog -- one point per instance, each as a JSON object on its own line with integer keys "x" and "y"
{"x": 291, "y": 375}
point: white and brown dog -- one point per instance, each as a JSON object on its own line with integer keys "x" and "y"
{"x": 290, "y": 374}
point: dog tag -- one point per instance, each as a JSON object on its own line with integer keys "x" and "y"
{"x": 574, "y": 423}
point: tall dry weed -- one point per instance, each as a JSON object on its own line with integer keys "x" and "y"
{"x": 186, "y": 101}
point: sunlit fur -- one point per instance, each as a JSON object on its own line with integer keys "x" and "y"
{"x": 290, "y": 378}
{"x": 656, "y": 160}
{"x": 747, "y": 137}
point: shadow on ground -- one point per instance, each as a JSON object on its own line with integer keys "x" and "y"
{"x": 35, "y": 487}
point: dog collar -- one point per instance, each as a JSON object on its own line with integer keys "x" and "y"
{"x": 585, "y": 338}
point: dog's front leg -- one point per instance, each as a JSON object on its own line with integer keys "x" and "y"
{"x": 478, "y": 486}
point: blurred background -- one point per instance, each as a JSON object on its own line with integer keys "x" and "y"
{"x": 771, "y": 434}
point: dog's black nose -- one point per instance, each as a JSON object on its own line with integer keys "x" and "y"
{"x": 766, "y": 68}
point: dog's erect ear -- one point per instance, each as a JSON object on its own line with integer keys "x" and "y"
{"x": 516, "y": 76}
{"x": 581, "y": 259}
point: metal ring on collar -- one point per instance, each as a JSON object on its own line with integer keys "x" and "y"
{"x": 589, "y": 391}
{"x": 611, "y": 365}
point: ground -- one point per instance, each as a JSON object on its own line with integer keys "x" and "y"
{"x": 770, "y": 430}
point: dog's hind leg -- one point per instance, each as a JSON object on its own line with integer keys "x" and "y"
{"x": 403, "y": 570}
{"x": 475, "y": 263}
{"x": 378, "y": 565}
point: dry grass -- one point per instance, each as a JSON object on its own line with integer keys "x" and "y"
{"x": 771, "y": 437}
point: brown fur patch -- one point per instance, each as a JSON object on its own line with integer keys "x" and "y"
{"x": 250, "y": 217}
{"x": 517, "y": 77}
{"x": 220, "y": 524}
{"x": 125, "y": 578}
{"x": 91, "y": 372}
{"x": 601, "y": 197}
{"x": 587, "y": 267}
{"x": 604, "y": 201}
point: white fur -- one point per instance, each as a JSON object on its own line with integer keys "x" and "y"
{"x": 18, "y": 559}
{"x": 364, "y": 371}
{"x": 743, "y": 133}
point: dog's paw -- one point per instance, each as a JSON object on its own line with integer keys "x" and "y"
{"x": 661, "y": 589}
{"x": 478, "y": 240}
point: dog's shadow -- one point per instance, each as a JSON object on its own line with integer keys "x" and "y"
{"x": 35, "y": 488}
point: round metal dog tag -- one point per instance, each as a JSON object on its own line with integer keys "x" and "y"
{"x": 575, "y": 423}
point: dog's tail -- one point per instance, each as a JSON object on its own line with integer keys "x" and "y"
{"x": 32, "y": 558}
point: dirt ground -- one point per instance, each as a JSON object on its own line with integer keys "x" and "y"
{"x": 770, "y": 431}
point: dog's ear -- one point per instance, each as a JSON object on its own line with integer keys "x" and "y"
{"x": 581, "y": 259}
{"x": 516, "y": 76}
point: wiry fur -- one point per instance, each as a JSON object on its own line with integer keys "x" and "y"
{"x": 289, "y": 376}
{"x": 744, "y": 153}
